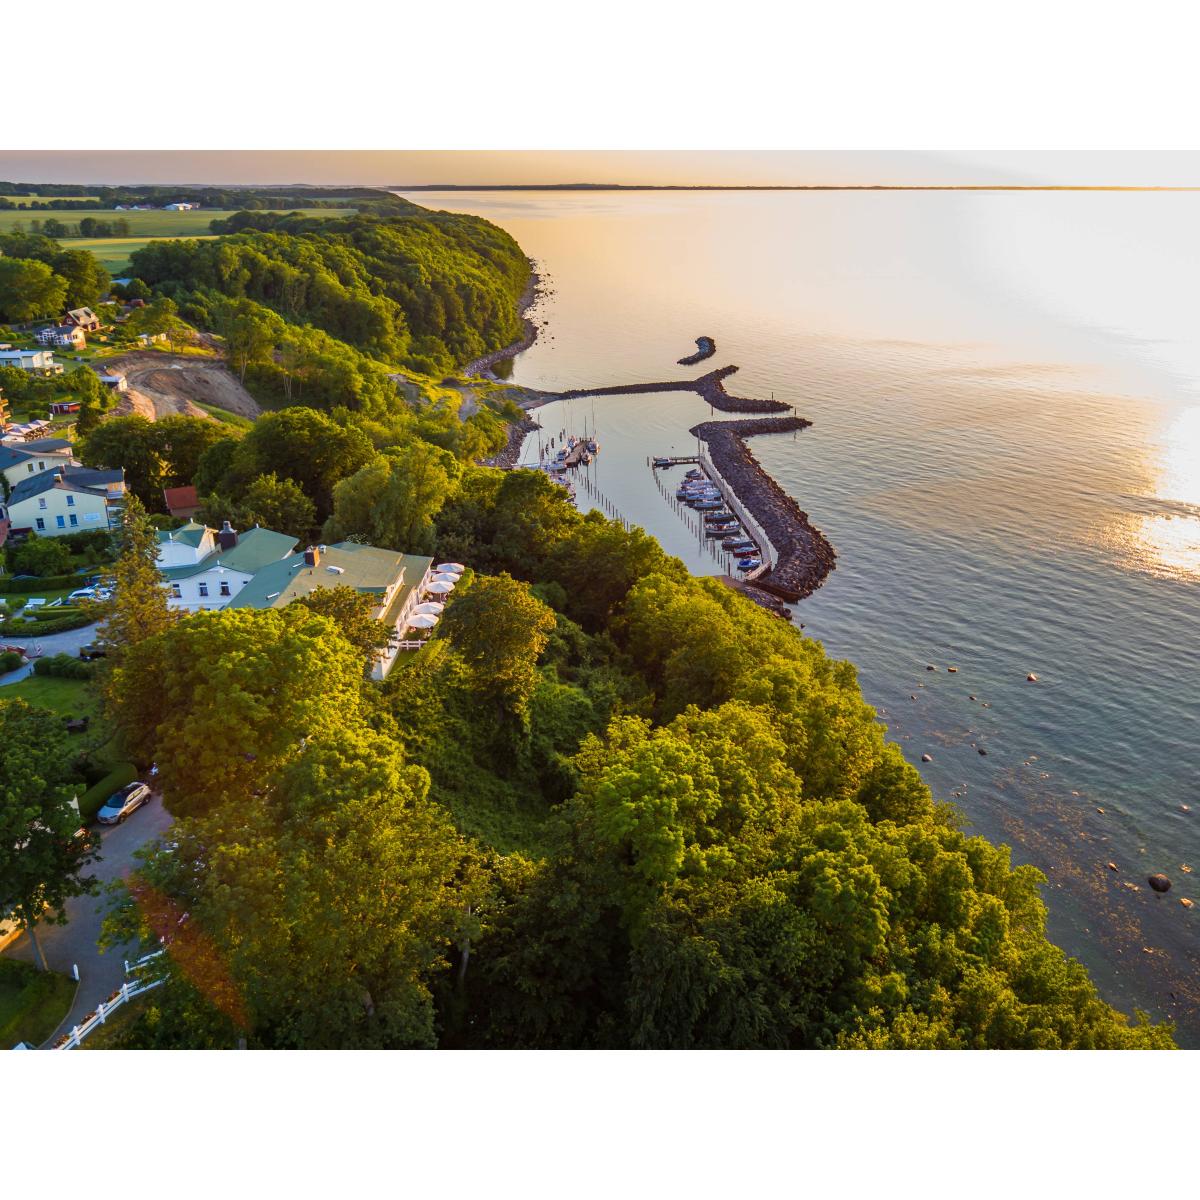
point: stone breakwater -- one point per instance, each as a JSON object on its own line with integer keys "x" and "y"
{"x": 705, "y": 348}
{"x": 710, "y": 387}
{"x": 484, "y": 366}
{"x": 804, "y": 555}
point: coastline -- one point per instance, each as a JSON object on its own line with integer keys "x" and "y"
{"x": 483, "y": 366}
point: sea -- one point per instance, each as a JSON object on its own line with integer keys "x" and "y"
{"x": 1004, "y": 390}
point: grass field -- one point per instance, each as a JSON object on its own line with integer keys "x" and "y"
{"x": 155, "y": 223}
{"x": 67, "y": 697}
{"x": 223, "y": 414}
{"x": 46, "y": 199}
{"x": 114, "y": 253}
{"x": 32, "y": 1002}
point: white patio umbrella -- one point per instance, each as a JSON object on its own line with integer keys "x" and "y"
{"x": 423, "y": 621}
{"x": 430, "y": 606}
{"x": 457, "y": 568}
{"x": 446, "y": 577}
{"x": 439, "y": 588}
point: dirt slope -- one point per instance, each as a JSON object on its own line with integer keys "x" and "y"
{"x": 163, "y": 384}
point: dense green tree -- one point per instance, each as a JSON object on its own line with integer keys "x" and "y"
{"x": 220, "y": 700}
{"x": 500, "y": 628}
{"x": 182, "y": 441}
{"x": 300, "y": 444}
{"x": 94, "y": 399}
{"x": 42, "y": 861}
{"x": 133, "y": 443}
{"x": 392, "y": 501}
{"x": 29, "y": 289}
{"x": 330, "y": 900}
{"x": 351, "y": 612}
{"x": 86, "y": 280}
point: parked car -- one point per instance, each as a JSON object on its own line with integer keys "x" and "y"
{"x": 93, "y": 650}
{"x": 121, "y": 803}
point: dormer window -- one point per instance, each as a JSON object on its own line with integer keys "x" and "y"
{"x": 70, "y": 501}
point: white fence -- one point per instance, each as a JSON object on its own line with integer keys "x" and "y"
{"x": 127, "y": 992}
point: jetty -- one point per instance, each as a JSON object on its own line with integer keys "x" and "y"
{"x": 710, "y": 387}
{"x": 706, "y": 347}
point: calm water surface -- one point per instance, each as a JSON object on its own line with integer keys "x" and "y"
{"x": 1005, "y": 453}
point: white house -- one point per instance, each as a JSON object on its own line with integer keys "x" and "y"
{"x": 149, "y": 339}
{"x": 20, "y": 460}
{"x": 64, "y": 336}
{"x": 206, "y": 568}
{"x": 36, "y": 362}
{"x": 65, "y": 499}
{"x": 179, "y": 207}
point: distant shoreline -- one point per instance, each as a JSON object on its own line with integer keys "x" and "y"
{"x": 791, "y": 187}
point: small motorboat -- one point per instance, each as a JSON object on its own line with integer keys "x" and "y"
{"x": 749, "y": 564}
{"x": 693, "y": 474}
{"x": 707, "y": 505}
{"x": 661, "y": 462}
{"x": 721, "y": 531}
{"x": 738, "y": 545}
{"x": 719, "y": 518}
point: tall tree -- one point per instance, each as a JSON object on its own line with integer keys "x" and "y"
{"x": 220, "y": 700}
{"x": 133, "y": 443}
{"x": 29, "y": 289}
{"x": 138, "y": 609}
{"x": 392, "y": 501}
{"x": 500, "y": 628}
{"x": 42, "y": 861}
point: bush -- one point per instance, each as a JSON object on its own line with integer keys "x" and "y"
{"x": 87, "y": 541}
{"x": 93, "y": 799}
{"x": 63, "y": 666}
{"x": 43, "y": 628}
{"x": 47, "y": 583}
{"x": 10, "y": 660}
{"x": 40, "y": 556}
{"x": 55, "y": 614}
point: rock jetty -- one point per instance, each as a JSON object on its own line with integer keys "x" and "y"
{"x": 511, "y": 454}
{"x": 705, "y": 348}
{"x": 804, "y": 556}
{"x": 710, "y": 387}
{"x": 485, "y": 366}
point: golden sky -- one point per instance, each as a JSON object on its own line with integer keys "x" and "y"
{"x": 400, "y": 167}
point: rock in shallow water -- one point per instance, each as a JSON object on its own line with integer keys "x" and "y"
{"x": 927, "y": 758}
{"x": 1160, "y": 883}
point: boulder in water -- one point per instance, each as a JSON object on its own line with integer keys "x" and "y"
{"x": 1112, "y": 866}
{"x": 952, "y": 670}
{"x": 1160, "y": 883}
{"x": 927, "y": 758}
{"x": 1185, "y": 902}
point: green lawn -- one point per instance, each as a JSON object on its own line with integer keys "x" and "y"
{"x": 223, "y": 414}
{"x": 32, "y": 1002}
{"x": 67, "y": 697}
{"x": 114, "y": 253}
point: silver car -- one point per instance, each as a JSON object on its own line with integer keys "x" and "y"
{"x": 121, "y": 803}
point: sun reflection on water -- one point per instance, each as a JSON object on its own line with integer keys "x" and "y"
{"x": 1168, "y": 542}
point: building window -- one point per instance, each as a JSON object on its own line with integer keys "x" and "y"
{"x": 61, "y": 522}
{"x": 29, "y": 468}
{"x": 74, "y": 519}
{"x": 225, "y": 588}
{"x": 176, "y": 593}
{"x": 70, "y": 501}
{"x": 41, "y": 502}
{"x": 41, "y": 465}
{"x": 41, "y": 524}
{"x": 204, "y": 589}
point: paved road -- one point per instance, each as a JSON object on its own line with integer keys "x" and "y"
{"x": 65, "y": 945}
{"x": 53, "y": 643}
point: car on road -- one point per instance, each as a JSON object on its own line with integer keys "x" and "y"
{"x": 93, "y": 650}
{"x": 121, "y": 803}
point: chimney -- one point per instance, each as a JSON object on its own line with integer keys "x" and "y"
{"x": 312, "y": 556}
{"x": 227, "y": 536}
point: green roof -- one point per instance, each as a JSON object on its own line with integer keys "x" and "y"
{"x": 345, "y": 564}
{"x": 256, "y": 548}
{"x": 191, "y": 534}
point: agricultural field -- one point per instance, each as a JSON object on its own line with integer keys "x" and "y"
{"x": 151, "y": 224}
{"x": 114, "y": 253}
{"x": 45, "y": 199}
